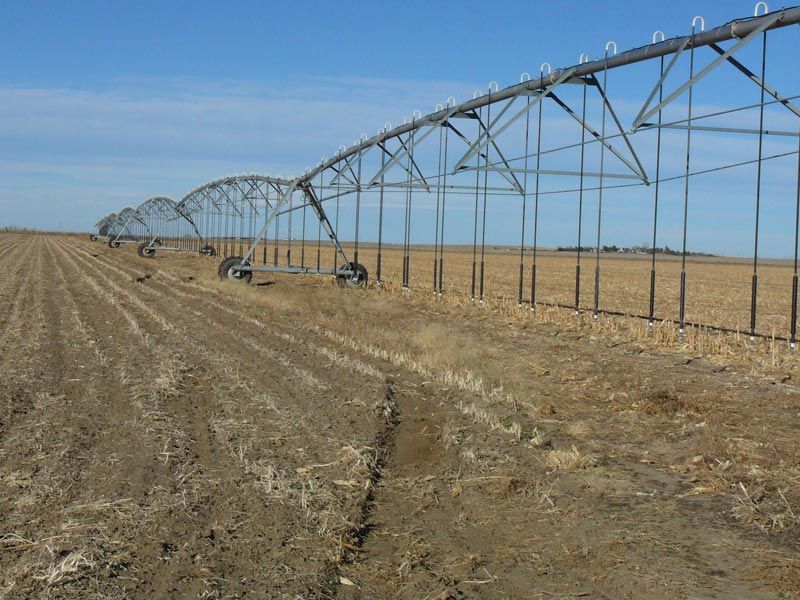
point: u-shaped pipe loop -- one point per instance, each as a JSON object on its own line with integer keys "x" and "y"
{"x": 656, "y": 34}
{"x": 702, "y": 23}
{"x": 758, "y": 4}
{"x": 611, "y": 43}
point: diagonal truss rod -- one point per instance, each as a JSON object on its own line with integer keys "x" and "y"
{"x": 596, "y": 135}
{"x": 348, "y": 166}
{"x": 484, "y": 139}
{"x": 399, "y": 155}
{"x": 612, "y": 112}
{"x": 278, "y": 209}
{"x": 657, "y": 87}
{"x": 740, "y": 29}
{"x": 765, "y": 24}
{"x": 757, "y": 80}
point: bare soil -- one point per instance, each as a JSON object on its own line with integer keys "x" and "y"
{"x": 164, "y": 434}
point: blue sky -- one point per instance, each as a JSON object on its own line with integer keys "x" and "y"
{"x": 105, "y": 103}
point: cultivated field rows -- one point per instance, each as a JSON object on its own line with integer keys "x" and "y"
{"x": 165, "y": 434}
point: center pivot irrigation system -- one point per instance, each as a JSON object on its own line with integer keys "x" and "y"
{"x": 492, "y": 148}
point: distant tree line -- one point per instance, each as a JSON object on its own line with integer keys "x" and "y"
{"x": 9, "y": 228}
{"x": 643, "y": 249}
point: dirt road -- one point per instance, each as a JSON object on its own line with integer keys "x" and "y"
{"x": 163, "y": 434}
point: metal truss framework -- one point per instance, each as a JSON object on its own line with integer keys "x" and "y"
{"x": 473, "y": 150}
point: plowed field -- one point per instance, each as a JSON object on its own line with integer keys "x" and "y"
{"x": 164, "y": 434}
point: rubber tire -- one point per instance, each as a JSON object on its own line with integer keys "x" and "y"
{"x": 145, "y": 250}
{"x": 208, "y": 251}
{"x": 226, "y": 272}
{"x": 113, "y": 243}
{"x": 93, "y": 238}
{"x": 360, "y": 282}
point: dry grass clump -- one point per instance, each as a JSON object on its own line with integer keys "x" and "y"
{"x": 765, "y": 505}
{"x": 568, "y": 460}
{"x": 663, "y": 402}
{"x": 577, "y": 429}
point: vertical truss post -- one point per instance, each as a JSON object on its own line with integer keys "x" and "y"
{"x": 407, "y": 219}
{"x": 319, "y": 225}
{"x": 303, "y": 239}
{"x": 358, "y": 210}
{"x": 475, "y": 217}
{"x": 485, "y": 194}
{"x": 444, "y": 204}
{"x": 652, "y": 305}
{"x": 438, "y": 207}
{"x": 336, "y": 227}
{"x": 524, "y": 206}
{"x": 596, "y": 311}
{"x": 289, "y": 235}
{"x": 580, "y": 207}
{"x": 264, "y": 228}
{"x": 793, "y": 326}
{"x": 536, "y": 203}
{"x": 754, "y": 284}
{"x": 277, "y": 233}
{"x": 380, "y": 222}
{"x": 682, "y": 307}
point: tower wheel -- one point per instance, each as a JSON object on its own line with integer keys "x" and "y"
{"x": 145, "y": 250}
{"x": 228, "y": 270}
{"x": 357, "y": 280}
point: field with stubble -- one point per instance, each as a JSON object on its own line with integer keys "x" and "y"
{"x": 718, "y": 289}
{"x": 164, "y": 434}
